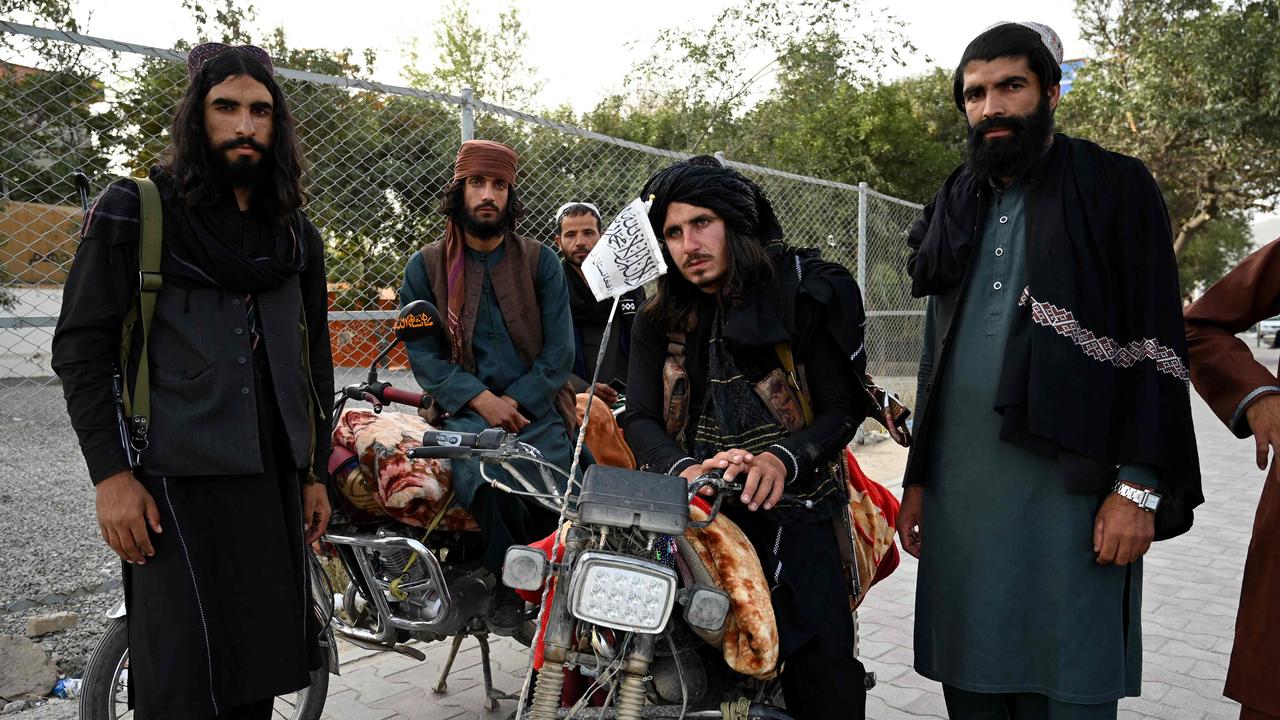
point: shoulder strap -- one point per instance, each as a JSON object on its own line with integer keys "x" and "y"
{"x": 137, "y": 400}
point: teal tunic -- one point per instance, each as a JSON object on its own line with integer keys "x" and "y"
{"x": 498, "y": 366}
{"x": 1009, "y": 597}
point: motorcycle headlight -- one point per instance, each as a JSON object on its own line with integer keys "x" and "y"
{"x": 622, "y": 592}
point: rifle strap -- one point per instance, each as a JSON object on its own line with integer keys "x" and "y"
{"x": 137, "y": 398}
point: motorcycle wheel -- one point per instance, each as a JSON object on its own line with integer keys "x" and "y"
{"x": 105, "y": 692}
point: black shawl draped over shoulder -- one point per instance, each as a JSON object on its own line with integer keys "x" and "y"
{"x": 1095, "y": 370}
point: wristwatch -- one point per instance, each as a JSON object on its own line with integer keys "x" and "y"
{"x": 1144, "y": 499}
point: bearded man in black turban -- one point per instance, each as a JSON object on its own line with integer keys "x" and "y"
{"x": 739, "y": 312}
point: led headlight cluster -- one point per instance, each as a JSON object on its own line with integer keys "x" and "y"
{"x": 622, "y": 592}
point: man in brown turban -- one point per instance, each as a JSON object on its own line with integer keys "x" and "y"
{"x": 510, "y": 346}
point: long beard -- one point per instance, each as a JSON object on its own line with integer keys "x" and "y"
{"x": 486, "y": 229}
{"x": 1010, "y": 156}
{"x": 242, "y": 172}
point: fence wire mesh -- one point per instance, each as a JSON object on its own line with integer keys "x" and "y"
{"x": 378, "y": 157}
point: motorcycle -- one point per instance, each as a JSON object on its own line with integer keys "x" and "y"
{"x": 612, "y": 613}
{"x": 403, "y": 584}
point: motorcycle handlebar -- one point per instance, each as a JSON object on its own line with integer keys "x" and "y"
{"x": 448, "y": 444}
{"x": 405, "y": 397}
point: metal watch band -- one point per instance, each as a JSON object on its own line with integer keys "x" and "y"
{"x": 1145, "y": 499}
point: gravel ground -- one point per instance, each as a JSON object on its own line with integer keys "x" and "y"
{"x": 52, "y": 556}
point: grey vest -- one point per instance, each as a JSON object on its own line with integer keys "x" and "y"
{"x": 204, "y": 412}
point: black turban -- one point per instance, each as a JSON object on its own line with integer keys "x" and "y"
{"x": 704, "y": 182}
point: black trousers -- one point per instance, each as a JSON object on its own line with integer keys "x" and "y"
{"x": 260, "y": 710}
{"x": 821, "y": 678}
{"x": 507, "y": 520}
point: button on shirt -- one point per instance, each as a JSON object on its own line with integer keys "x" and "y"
{"x": 1004, "y": 264}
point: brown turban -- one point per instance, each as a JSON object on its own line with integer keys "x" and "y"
{"x": 487, "y": 158}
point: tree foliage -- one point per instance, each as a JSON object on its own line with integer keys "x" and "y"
{"x": 1192, "y": 87}
{"x": 489, "y": 61}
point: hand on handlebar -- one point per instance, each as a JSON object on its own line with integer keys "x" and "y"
{"x": 499, "y": 411}
{"x": 764, "y": 475}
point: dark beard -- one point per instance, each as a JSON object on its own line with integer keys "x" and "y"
{"x": 485, "y": 229}
{"x": 243, "y": 172}
{"x": 1010, "y": 156}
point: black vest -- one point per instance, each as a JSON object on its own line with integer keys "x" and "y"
{"x": 204, "y": 411}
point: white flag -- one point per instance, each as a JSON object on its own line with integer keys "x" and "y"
{"x": 627, "y": 256}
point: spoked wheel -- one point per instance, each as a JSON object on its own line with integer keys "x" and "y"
{"x": 105, "y": 693}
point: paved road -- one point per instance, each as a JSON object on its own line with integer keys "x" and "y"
{"x": 1192, "y": 588}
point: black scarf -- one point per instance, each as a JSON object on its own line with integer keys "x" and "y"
{"x": 582, "y": 302}
{"x": 220, "y": 246}
{"x": 1095, "y": 370}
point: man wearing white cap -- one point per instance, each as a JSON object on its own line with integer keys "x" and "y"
{"x": 1053, "y": 438}
{"x": 577, "y": 232}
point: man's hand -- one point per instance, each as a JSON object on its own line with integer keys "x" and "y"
{"x": 499, "y": 411}
{"x": 1264, "y": 419}
{"x": 1122, "y": 531}
{"x": 909, "y": 519}
{"x": 606, "y": 393}
{"x": 125, "y": 509}
{"x": 315, "y": 510}
{"x": 766, "y": 475}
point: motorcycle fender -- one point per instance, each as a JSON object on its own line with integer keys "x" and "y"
{"x": 118, "y": 611}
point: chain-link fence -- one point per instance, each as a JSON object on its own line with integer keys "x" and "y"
{"x": 378, "y": 157}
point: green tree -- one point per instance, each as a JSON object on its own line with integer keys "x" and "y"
{"x": 490, "y": 62}
{"x": 711, "y": 75}
{"x": 1192, "y": 88}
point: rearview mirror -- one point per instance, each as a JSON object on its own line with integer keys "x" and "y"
{"x": 417, "y": 320}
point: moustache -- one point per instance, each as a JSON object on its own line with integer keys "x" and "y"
{"x": 1015, "y": 125}
{"x": 689, "y": 261}
{"x": 483, "y": 205}
{"x": 243, "y": 142}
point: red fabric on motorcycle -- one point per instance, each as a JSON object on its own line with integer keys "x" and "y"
{"x": 535, "y": 596}
{"x": 386, "y": 481}
{"x": 874, "y": 513}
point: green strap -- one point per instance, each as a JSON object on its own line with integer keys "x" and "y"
{"x": 137, "y": 401}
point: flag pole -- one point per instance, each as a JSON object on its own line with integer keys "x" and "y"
{"x": 591, "y": 390}
{"x": 564, "y": 505}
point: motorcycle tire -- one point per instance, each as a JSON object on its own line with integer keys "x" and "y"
{"x": 104, "y": 692}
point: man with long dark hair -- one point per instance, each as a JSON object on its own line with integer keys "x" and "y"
{"x": 214, "y": 518}
{"x": 509, "y": 351}
{"x": 1053, "y": 432}
{"x": 738, "y": 302}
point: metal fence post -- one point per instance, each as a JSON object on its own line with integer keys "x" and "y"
{"x": 468, "y": 118}
{"x": 862, "y": 239}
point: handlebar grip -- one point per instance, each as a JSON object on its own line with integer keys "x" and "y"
{"x": 490, "y": 439}
{"x": 440, "y": 452}
{"x": 406, "y": 397}
{"x": 448, "y": 439}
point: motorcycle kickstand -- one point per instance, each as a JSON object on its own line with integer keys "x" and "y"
{"x": 442, "y": 686}
{"x": 486, "y": 669}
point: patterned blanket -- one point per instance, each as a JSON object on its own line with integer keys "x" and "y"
{"x": 376, "y": 477}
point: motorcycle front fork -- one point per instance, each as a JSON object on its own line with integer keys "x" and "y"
{"x": 557, "y": 643}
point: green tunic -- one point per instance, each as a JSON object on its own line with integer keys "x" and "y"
{"x": 1009, "y": 597}
{"x": 499, "y": 367}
